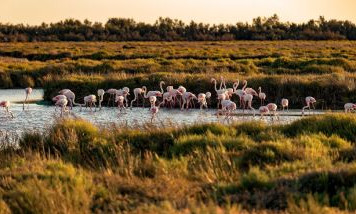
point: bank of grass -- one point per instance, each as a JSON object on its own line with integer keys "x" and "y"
{"x": 291, "y": 69}
{"x": 306, "y": 166}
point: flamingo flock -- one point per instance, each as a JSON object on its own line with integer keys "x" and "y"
{"x": 176, "y": 97}
{"x": 180, "y": 97}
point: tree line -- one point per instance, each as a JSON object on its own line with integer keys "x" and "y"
{"x": 167, "y": 29}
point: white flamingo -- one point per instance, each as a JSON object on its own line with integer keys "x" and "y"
{"x": 137, "y": 92}
{"x": 261, "y": 95}
{"x": 101, "y": 93}
{"x": 28, "y": 92}
{"x": 309, "y": 101}
{"x": 349, "y": 107}
{"x": 6, "y": 105}
{"x": 284, "y": 103}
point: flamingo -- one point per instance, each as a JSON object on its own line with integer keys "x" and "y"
{"x": 123, "y": 92}
{"x": 250, "y": 90}
{"x": 101, "y": 93}
{"x": 187, "y": 98}
{"x": 229, "y": 91}
{"x": 176, "y": 92}
{"x": 167, "y": 99}
{"x": 202, "y": 99}
{"x": 247, "y": 99}
{"x": 309, "y": 100}
{"x": 221, "y": 90}
{"x": 57, "y": 98}
{"x": 240, "y": 92}
{"x": 90, "y": 100}
{"x": 349, "y": 107}
{"x": 227, "y": 107}
{"x": 284, "y": 103}
{"x": 182, "y": 90}
{"x": 6, "y": 105}
{"x": 151, "y": 93}
{"x": 137, "y": 92}
{"x": 263, "y": 111}
{"x": 154, "y": 110}
{"x": 153, "y": 100}
{"x": 222, "y": 93}
{"x": 120, "y": 102}
{"x": 112, "y": 92}
{"x": 63, "y": 104}
{"x": 261, "y": 95}
{"x": 272, "y": 107}
{"x": 28, "y": 92}
{"x": 70, "y": 97}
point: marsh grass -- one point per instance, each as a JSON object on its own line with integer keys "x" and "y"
{"x": 77, "y": 167}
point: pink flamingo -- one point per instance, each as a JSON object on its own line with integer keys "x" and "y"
{"x": 261, "y": 95}
{"x": 167, "y": 99}
{"x": 123, "y": 92}
{"x": 28, "y": 92}
{"x": 188, "y": 97}
{"x": 240, "y": 92}
{"x": 151, "y": 93}
{"x": 272, "y": 107}
{"x": 229, "y": 91}
{"x": 70, "y": 97}
{"x": 250, "y": 90}
{"x": 154, "y": 110}
{"x": 284, "y": 103}
{"x": 60, "y": 101}
{"x": 247, "y": 100}
{"x": 227, "y": 107}
{"x": 89, "y": 100}
{"x": 6, "y": 105}
{"x": 112, "y": 93}
{"x": 58, "y": 97}
{"x": 263, "y": 111}
{"x": 175, "y": 93}
{"x": 309, "y": 100}
{"x": 120, "y": 102}
{"x": 101, "y": 93}
{"x": 202, "y": 99}
{"x": 137, "y": 92}
{"x": 349, "y": 107}
{"x": 153, "y": 100}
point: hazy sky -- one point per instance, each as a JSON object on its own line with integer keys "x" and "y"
{"x": 208, "y": 11}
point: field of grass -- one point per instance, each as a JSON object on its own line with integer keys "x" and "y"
{"x": 291, "y": 69}
{"x": 307, "y": 166}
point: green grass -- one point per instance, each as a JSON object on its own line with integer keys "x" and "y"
{"x": 306, "y": 166}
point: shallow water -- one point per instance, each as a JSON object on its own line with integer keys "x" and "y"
{"x": 40, "y": 117}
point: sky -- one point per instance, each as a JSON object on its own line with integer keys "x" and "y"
{"x": 34, "y": 12}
